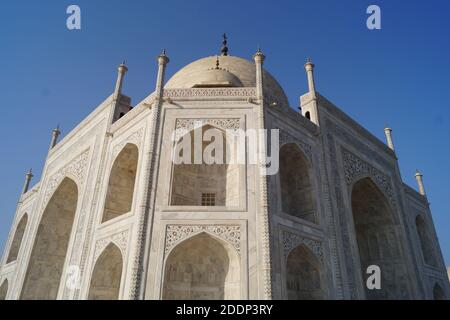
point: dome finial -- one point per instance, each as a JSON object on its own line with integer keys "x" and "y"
{"x": 259, "y": 54}
{"x": 224, "y": 49}
{"x": 217, "y": 62}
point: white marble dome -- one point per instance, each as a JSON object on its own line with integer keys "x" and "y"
{"x": 233, "y": 72}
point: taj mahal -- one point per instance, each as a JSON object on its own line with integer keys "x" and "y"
{"x": 113, "y": 217}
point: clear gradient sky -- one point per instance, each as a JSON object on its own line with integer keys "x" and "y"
{"x": 398, "y": 76}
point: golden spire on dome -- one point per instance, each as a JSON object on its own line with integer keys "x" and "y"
{"x": 224, "y": 49}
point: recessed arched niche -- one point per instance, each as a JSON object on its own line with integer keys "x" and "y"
{"x": 426, "y": 243}
{"x": 438, "y": 293}
{"x": 4, "y": 289}
{"x": 378, "y": 241}
{"x": 17, "y": 239}
{"x": 295, "y": 182}
{"x": 303, "y": 275}
{"x": 199, "y": 180}
{"x": 48, "y": 255}
{"x": 107, "y": 275}
{"x": 202, "y": 268}
{"x": 119, "y": 197}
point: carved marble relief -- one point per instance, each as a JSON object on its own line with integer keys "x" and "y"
{"x": 120, "y": 239}
{"x": 355, "y": 168}
{"x": 183, "y": 126}
{"x": 134, "y": 138}
{"x": 287, "y": 138}
{"x": 177, "y": 233}
{"x": 76, "y": 168}
{"x": 291, "y": 241}
{"x": 210, "y": 92}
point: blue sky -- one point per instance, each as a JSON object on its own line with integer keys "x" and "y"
{"x": 399, "y": 75}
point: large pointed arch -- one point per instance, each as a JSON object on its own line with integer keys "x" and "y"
{"x": 303, "y": 275}
{"x": 107, "y": 275}
{"x": 119, "y": 196}
{"x": 295, "y": 182}
{"x": 4, "y": 289}
{"x": 202, "y": 267}
{"x": 378, "y": 240}
{"x": 17, "y": 239}
{"x": 198, "y": 182}
{"x": 49, "y": 252}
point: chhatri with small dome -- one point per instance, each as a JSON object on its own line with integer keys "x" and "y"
{"x": 114, "y": 217}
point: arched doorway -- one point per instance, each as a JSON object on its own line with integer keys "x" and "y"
{"x": 425, "y": 242}
{"x": 119, "y": 197}
{"x": 202, "y": 267}
{"x": 105, "y": 281}
{"x": 46, "y": 263}
{"x": 4, "y": 290}
{"x": 438, "y": 293}
{"x": 204, "y": 181}
{"x": 303, "y": 278}
{"x": 17, "y": 240}
{"x": 378, "y": 241}
{"x": 296, "y": 188}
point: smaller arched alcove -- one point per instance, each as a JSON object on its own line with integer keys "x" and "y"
{"x": 438, "y": 293}
{"x": 202, "y": 268}
{"x": 426, "y": 243}
{"x": 17, "y": 240}
{"x": 303, "y": 275}
{"x": 119, "y": 197}
{"x": 308, "y": 115}
{"x": 199, "y": 180}
{"x": 4, "y": 290}
{"x": 107, "y": 275}
{"x": 296, "y": 188}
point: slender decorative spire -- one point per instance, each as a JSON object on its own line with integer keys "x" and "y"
{"x": 26, "y": 185}
{"x": 224, "y": 49}
{"x": 419, "y": 179}
{"x": 259, "y": 57}
{"x": 55, "y": 134}
{"x": 163, "y": 60}
{"x": 309, "y": 67}
{"x": 310, "y": 107}
{"x": 121, "y": 70}
{"x": 389, "y": 140}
